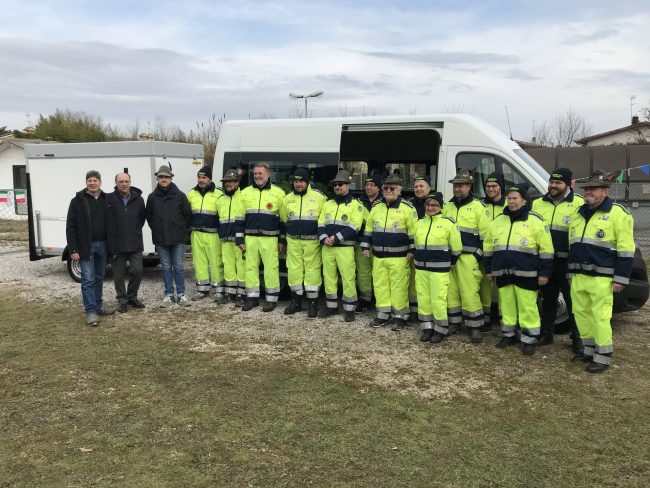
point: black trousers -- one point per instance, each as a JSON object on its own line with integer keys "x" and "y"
{"x": 557, "y": 283}
{"x": 134, "y": 259}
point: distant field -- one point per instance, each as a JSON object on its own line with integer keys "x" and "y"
{"x": 13, "y": 230}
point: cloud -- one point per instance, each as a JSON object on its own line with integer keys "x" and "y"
{"x": 598, "y": 35}
{"x": 446, "y": 59}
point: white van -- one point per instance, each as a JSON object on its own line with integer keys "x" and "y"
{"x": 413, "y": 145}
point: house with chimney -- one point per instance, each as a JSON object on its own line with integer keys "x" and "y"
{"x": 636, "y": 133}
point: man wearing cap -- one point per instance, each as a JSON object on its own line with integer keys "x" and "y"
{"x": 558, "y": 208}
{"x": 371, "y": 197}
{"x": 262, "y": 203}
{"x": 169, "y": 215}
{"x": 231, "y": 225}
{"x": 421, "y": 190}
{"x": 601, "y": 251}
{"x": 389, "y": 233}
{"x": 338, "y": 226}
{"x": 86, "y": 236}
{"x": 495, "y": 202}
{"x": 519, "y": 254}
{"x": 437, "y": 247}
{"x": 463, "y": 298}
{"x": 300, "y": 213}
{"x": 206, "y": 246}
{"x": 125, "y": 215}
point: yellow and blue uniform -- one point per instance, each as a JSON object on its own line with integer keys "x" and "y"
{"x": 364, "y": 264}
{"x": 231, "y": 225}
{"x": 437, "y": 248}
{"x": 342, "y": 218}
{"x": 418, "y": 204}
{"x": 300, "y": 214}
{"x": 463, "y": 299}
{"x": 389, "y": 234}
{"x": 262, "y": 226}
{"x": 601, "y": 252}
{"x": 492, "y": 210}
{"x": 518, "y": 249}
{"x": 206, "y": 247}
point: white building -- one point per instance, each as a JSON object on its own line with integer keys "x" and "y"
{"x": 635, "y": 133}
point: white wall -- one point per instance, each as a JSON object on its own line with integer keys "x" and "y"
{"x": 10, "y": 157}
{"x": 620, "y": 138}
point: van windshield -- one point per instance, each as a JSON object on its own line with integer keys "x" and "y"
{"x": 532, "y": 164}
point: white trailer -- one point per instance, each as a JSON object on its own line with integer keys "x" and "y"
{"x": 56, "y": 172}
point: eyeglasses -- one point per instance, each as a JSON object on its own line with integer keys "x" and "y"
{"x": 389, "y": 188}
{"x": 339, "y": 184}
{"x": 164, "y": 177}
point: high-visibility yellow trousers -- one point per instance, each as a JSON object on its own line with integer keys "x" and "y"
{"x": 519, "y": 306}
{"x": 391, "y": 279}
{"x": 264, "y": 250}
{"x": 432, "y": 288}
{"x": 592, "y": 298}
{"x": 234, "y": 271}
{"x": 206, "y": 258}
{"x": 364, "y": 273}
{"x": 340, "y": 261}
{"x": 485, "y": 292}
{"x": 413, "y": 292}
{"x": 304, "y": 266}
{"x": 463, "y": 299}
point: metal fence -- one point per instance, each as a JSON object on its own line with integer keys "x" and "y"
{"x": 13, "y": 204}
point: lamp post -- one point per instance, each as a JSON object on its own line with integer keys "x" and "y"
{"x": 316, "y": 94}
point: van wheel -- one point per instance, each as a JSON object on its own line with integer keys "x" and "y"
{"x": 74, "y": 269}
{"x": 562, "y": 325}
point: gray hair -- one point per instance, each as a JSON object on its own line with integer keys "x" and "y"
{"x": 262, "y": 164}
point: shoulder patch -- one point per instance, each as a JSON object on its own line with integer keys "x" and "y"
{"x": 624, "y": 208}
{"x": 536, "y": 215}
{"x": 409, "y": 204}
{"x": 481, "y": 202}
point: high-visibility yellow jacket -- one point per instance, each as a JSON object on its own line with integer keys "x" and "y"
{"x": 231, "y": 216}
{"x": 602, "y": 241}
{"x": 262, "y": 207}
{"x": 558, "y": 217}
{"x": 300, "y": 213}
{"x": 437, "y": 243}
{"x": 203, "y": 204}
{"x": 390, "y": 228}
{"x": 341, "y": 218}
{"x": 470, "y": 218}
{"x": 494, "y": 209}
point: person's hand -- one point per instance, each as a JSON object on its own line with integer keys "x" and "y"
{"x": 281, "y": 248}
{"x": 329, "y": 241}
{"x": 409, "y": 256}
{"x": 618, "y": 288}
{"x": 366, "y": 253}
{"x": 242, "y": 247}
{"x": 488, "y": 277}
{"x": 542, "y": 280}
{"x": 75, "y": 256}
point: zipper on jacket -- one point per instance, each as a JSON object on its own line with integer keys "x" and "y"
{"x": 387, "y": 211}
{"x": 300, "y": 211}
{"x": 553, "y": 214}
{"x": 509, "y": 232}
{"x": 426, "y": 239}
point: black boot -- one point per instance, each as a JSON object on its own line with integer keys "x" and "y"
{"x": 546, "y": 339}
{"x": 269, "y": 306}
{"x": 295, "y": 305}
{"x": 425, "y": 335}
{"x": 398, "y": 324}
{"x": 362, "y": 306}
{"x": 506, "y": 341}
{"x": 529, "y": 349}
{"x": 313, "y": 308}
{"x": 239, "y": 301}
{"x": 576, "y": 344}
{"x": 250, "y": 303}
{"x": 329, "y": 312}
{"x": 475, "y": 335}
{"x": 437, "y": 337}
{"x": 349, "y": 316}
{"x": 597, "y": 367}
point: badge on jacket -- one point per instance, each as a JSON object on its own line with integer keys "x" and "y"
{"x": 600, "y": 234}
{"x": 269, "y": 206}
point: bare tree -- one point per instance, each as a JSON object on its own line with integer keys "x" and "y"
{"x": 645, "y": 112}
{"x": 569, "y": 127}
{"x": 543, "y": 134}
{"x": 208, "y": 135}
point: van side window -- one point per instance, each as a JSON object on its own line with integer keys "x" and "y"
{"x": 482, "y": 164}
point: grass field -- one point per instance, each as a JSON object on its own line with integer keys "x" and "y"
{"x": 120, "y": 406}
{"x": 13, "y": 230}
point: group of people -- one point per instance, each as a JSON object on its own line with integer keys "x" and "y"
{"x": 423, "y": 259}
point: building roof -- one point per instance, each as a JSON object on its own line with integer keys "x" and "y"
{"x": 10, "y": 141}
{"x": 632, "y": 127}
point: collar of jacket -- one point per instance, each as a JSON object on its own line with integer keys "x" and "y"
{"x": 605, "y": 206}
{"x": 211, "y": 187}
{"x": 170, "y": 190}
{"x": 346, "y": 199}
{"x": 568, "y": 198}
{"x": 364, "y": 198}
{"x": 135, "y": 192}
{"x": 431, "y": 217}
{"x": 468, "y": 199}
{"x": 230, "y": 193}
{"x": 301, "y": 193}
{"x": 500, "y": 202}
{"x": 395, "y": 204}
{"x": 86, "y": 193}
{"x": 521, "y": 214}
{"x": 265, "y": 186}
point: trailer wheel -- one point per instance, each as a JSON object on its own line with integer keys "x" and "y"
{"x": 74, "y": 270}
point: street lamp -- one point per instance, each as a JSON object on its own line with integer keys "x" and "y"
{"x": 316, "y": 94}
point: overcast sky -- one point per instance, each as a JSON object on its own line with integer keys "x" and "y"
{"x": 183, "y": 61}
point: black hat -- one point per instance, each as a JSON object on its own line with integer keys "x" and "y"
{"x": 231, "y": 175}
{"x": 393, "y": 180}
{"x": 93, "y": 173}
{"x": 164, "y": 171}
{"x": 301, "y": 174}
{"x": 496, "y": 177}
{"x": 521, "y": 188}
{"x": 597, "y": 179}
{"x": 562, "y": 174}
{"x": 375, "y": 179}
{"x": 425, "y": 178}
{"x": 437, "y": 196}
{"x": 205, "y": 171}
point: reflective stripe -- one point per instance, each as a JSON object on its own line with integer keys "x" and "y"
{"x": 209, "y": 230}
{"x": 383, "y": 315}
{"x": 442, "y": 326}
{"x": 204, "y": 212}
{"x": 347, "y": 243}
{"x": 526, "y": 339}
{"x": 310, "y": 218}
{"x": 339, "y": 236}
{"x": 425, "y": 318}
{"x": 625, "y": 254}
{"x": 429, "y": 264}
{"x": 257, "y": 232}
{"x": 545, "y": 255}
{"x": 470, "y": 250}
{"x": 352, "y": 299}
{"x": 331, "y": 296}
{"x": 390, "y": 230}
{"x": 469, "y": 230}
{"x": 454, "y": 310}
{"x": 383, "y": 309}
{"x": 562, "y": 254}
{"x": 390, "y": 248}
{"x": 260, "y": 211}
{"x": 344, "y": 223}
{"x": 601, "y": 359}
{"x": 426, "y": 325}
{"x": 605, "y": 349}
{"x": 527, "y": 250}
{"x": 589, "y": 342}
{"x": 303, "y": 237}
{"x": 231, "y": 221}
{"x": 621, "y": 280}
{"x": 593, "y": 242}
{"x": 591, "y": 267}
{"x": 560, "y": 228}
{"x": 432, "y": 247}
{"x": 514, "y": 272}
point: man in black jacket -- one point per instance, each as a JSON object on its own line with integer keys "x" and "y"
{"x": 85, "y": 232}
{"x": 125, "y": 214}
{"x": 168, "y": 214}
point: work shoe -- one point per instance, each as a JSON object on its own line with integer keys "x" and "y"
{"x": 581, "y": 357}
{"x": 269, "y": 306}
{"x": 104, "y": 311}
{"x": 437, "y": 337}
{"x": 453, "y": 329}
{"x": 597, "y": 367}
{"x": 485, "y": 328}
{"x": 199, "y": 295}
{"x": 506, "y": 341}
{"x": 475, "y": 335}
{"x": 167, "y": 302}
{"x": 425, "y": 335}
{"x": 398, "y": 324}
{"x": 249, "y": 304}
{"x": 528, "y": 350}
{"x": 349, "y": 316}
{"x": 183, "y": 301}
{"x": 239, "y": 300}
{"x": 295, "y": 305}
{"x": 122, "y": 308}
{"x": 92, "y": 319}
{"x": 135, "y": 303}
{"x": 221, "y": 299}
{"x": 576, "y": 345}
{"x": 545, "y": 340}
{"x": 313, "y": 309}
{"x": 377, "y": 322}
{"x": 412, "y": 318}
{"x": 328, "y": 312}
{"x": 362, "y": 306}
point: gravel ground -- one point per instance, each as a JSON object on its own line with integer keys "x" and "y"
{"x": 352, "y": 352}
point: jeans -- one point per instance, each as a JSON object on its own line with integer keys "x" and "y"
{"x": 171, "y": 260}
{"x": 134, "y": 274}
{"x": 92, "y": 277}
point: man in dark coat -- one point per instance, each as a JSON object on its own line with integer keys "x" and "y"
{"x": 86, "y": 233}
{"x": 168, "y": 214}
{"x": 125, "y": 213}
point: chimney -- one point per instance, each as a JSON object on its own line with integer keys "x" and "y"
{"x": 635, "y": 119}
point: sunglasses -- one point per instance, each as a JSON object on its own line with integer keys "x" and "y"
{"x": 163, "y": 177}
{"x": 389, "y": 188}
{"x": 339, "y": 184}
